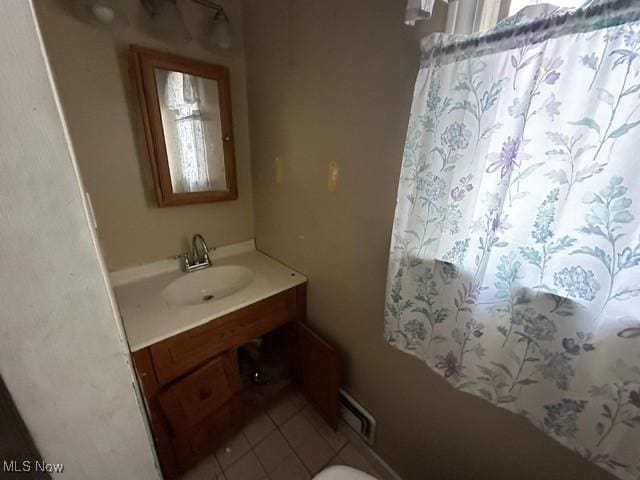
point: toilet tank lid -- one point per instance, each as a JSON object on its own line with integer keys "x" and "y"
{"x": 342, "y": 472}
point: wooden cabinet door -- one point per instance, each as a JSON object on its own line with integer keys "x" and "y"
{"x": 195, "y": 444}
{"x": 198, "y": 395}
{"x": 318, "y": 372}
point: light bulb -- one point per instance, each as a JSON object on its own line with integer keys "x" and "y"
{"x": 221, "y": 33}
{"x": 168, "y": 22}
{"x": 103, "y": 13}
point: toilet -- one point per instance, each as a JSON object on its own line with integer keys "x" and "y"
{"x": 341, "y": 472}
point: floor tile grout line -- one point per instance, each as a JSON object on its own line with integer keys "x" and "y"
{"x": 237, "y": 459}
{"x": 313, "y": 426}
{"x": 291, "y": 446}
{"x": 251, "y": 447}
{"x": 277, "y": 427}
{"x": 300, "y": 410}
{"x": 336, "y": 452}
{"x": 323, "y": 437}
{"x": 264, "y": 467}
{"x": 360, "y": 450}
{"x": 293, "y": 414}
{"x": 260, "y": 461}
{"x": 222, "y": 475}
{"x": 342, "y": 448}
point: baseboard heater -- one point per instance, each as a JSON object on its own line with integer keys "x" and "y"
{"x": 357, "y": 417}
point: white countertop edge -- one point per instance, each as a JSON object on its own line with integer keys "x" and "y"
{"x": 301, "y": 279}
{"x": 140, "y": 272}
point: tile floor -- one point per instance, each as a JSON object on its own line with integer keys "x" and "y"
{"x": 287, "y": 442}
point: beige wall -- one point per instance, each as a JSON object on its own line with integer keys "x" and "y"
{"x": 91, "y": 69}
{"x": 62, "y": 356}
{"x": 340, "y": 89}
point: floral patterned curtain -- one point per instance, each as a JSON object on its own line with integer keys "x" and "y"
{"x": 514, "y": 269}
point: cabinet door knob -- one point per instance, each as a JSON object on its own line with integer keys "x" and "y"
{"x": 227, "y": 138}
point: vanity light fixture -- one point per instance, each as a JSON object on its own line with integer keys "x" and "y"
{"x": 101, "y": 13}
{"x": 167, "y": 21}
{"x": 220, "y": 36}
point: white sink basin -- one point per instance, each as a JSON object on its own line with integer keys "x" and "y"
{"x": 207, "y": 285}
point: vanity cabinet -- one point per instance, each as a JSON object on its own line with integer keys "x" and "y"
{"x": 195, "y": 395}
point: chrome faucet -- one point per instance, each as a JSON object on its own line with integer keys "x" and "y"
{"x": 198, "y": 258}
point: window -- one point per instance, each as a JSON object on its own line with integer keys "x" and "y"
{"x": 517, "y": 5}
{"x": 467, "y": 16}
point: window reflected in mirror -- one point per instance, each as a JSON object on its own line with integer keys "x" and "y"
{"x": 192, "y": 132}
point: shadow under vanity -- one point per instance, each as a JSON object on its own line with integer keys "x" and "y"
{"x": 208, "y": 367}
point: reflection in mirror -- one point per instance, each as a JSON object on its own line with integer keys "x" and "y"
{"x": 190, "y": 114}
{"x": 188, "y": 126}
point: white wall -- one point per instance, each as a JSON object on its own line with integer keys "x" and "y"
{"x": 62, "y": 353}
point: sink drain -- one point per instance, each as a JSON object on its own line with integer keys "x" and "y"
{"x": 206, "y": 298}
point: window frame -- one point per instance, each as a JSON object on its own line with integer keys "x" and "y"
{"x": 471, "y": 16}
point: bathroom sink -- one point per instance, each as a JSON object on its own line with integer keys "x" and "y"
{"x": 207, "y": 285}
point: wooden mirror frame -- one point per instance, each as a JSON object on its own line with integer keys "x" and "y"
{"x": 145, "y": 61}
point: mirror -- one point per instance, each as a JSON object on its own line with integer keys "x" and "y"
{"x": 186, "y": 111}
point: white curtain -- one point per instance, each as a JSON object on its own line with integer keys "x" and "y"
{"x": 514, "y": 269}
{"x": 186, "y": 130}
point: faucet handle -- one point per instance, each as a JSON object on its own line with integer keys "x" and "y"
{"x": 184, "y": 260}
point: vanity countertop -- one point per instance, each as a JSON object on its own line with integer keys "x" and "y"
{"x": 148, "y": 318}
